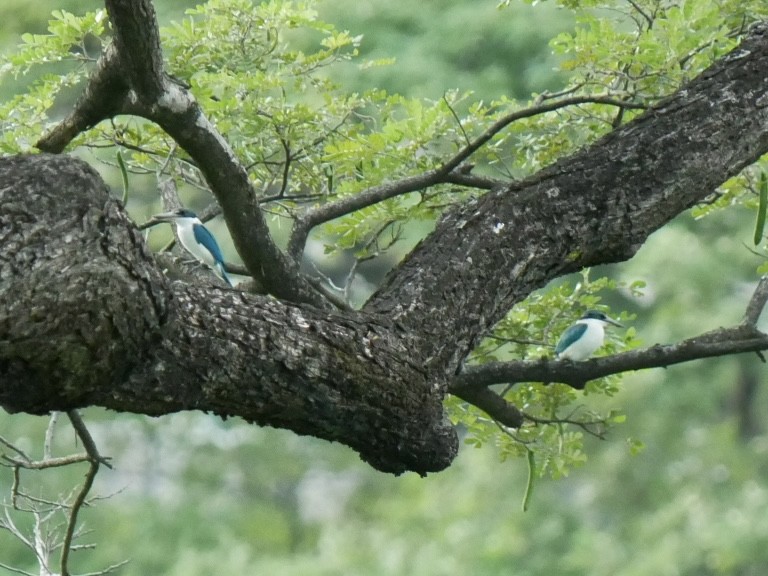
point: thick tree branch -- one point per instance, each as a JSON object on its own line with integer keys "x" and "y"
{"x": 492, "y": 404}
{"x": 104, "y": 97}
{"x": 87, "y": 317}
{"x": 137, "y": 40}
{"x": 109, "y": 329}
{"x": 597, "y": 206}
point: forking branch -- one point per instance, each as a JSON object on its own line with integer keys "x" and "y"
{"x": 448, "y": 172}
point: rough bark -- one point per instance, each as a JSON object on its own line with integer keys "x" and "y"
{"x": 88, "y": 318}
{"x": 595, "y": 207}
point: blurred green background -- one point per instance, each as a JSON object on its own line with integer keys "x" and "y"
{"x": 192, "y": 495}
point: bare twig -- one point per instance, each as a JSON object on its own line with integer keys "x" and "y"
{"x": 107, "y": 570}
{"x": 458, "y": 120}
{"x": 95, "y": 460}
{"x": 757, "y": 302}
{"x": 86, "y": 439}
{"x": 588, "y": 426}
{"x": 72, "y": 523}
{"x": 16, "y": 570}
{"x": 45, "y": 539}
{"x": 647, "y": 17}
{"x": 16, "y": 449}
{"x": 48, "y": 462}
{"x": 49, "y": 435}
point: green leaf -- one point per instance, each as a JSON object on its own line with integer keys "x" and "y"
{"x": 531, "y": 457}
{"x": 124, "y": 175}
{"x": 761, "y": 208}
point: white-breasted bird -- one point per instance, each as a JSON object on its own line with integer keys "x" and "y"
{"x": 581, "y": 339}
{"x": 197, "y": 240}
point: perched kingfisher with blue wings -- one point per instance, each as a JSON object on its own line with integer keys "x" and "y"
{"x": 581, "y": 339}
{"x": 197, "y": 240}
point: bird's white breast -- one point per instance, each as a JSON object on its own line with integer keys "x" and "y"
{"x": 187, "y": 238}
{"x": 590, "y": 341}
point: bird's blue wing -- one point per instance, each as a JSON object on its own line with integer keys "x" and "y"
{"x": 206, "y": 239}
{"x": 570, "y": 336}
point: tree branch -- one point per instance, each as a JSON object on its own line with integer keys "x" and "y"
{"x": 721, "y": 342}
{"x": 45, "y": 540}
{"x": 471, "y": 384}
{"x": 757, "y": 303}
{"x": 492, "y": 404}
{"x": 594, "y": 207}
{"x": 109, "y": 329}
{"x": 445, "y": 173}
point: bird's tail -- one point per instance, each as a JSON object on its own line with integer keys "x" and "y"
{"x": 221, "y": 273}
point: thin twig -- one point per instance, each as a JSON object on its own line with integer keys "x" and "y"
{"x": 86, "y": 438}
{"x": 108, "y": 569}
{"x": 286, "y": 167}
{"x": 642, "y": 13}
{"x": 584, "y": 425}
{"x": 95, "y": 460}
{"x": 48, "y": 442}
{"x": 49, "y": 463}
{"x": 15, "y": 570}
{"x": 16, "y": 449}
{"x": 76, "y": 506}
{"x": 757, "y": 302}
{"x": 458, "y": 120}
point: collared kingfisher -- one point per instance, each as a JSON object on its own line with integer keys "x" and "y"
{"x": 197, "y": 240}
{"x": 581, "y": 339}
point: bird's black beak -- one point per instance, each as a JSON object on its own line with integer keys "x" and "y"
{"x": 157, "y": 219}
{"x": 164, "y": 217}
{"x": 614, "y": 322}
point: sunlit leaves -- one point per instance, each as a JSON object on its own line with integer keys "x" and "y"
{"x": 66, "y": 40}
{"x": 25, "y": 116}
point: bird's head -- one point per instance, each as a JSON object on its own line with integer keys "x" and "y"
{"x": 597, "y": 315}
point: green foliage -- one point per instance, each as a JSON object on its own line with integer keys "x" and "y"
{"x": 25, "y": 116}
{"x": 558, "y": 416}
